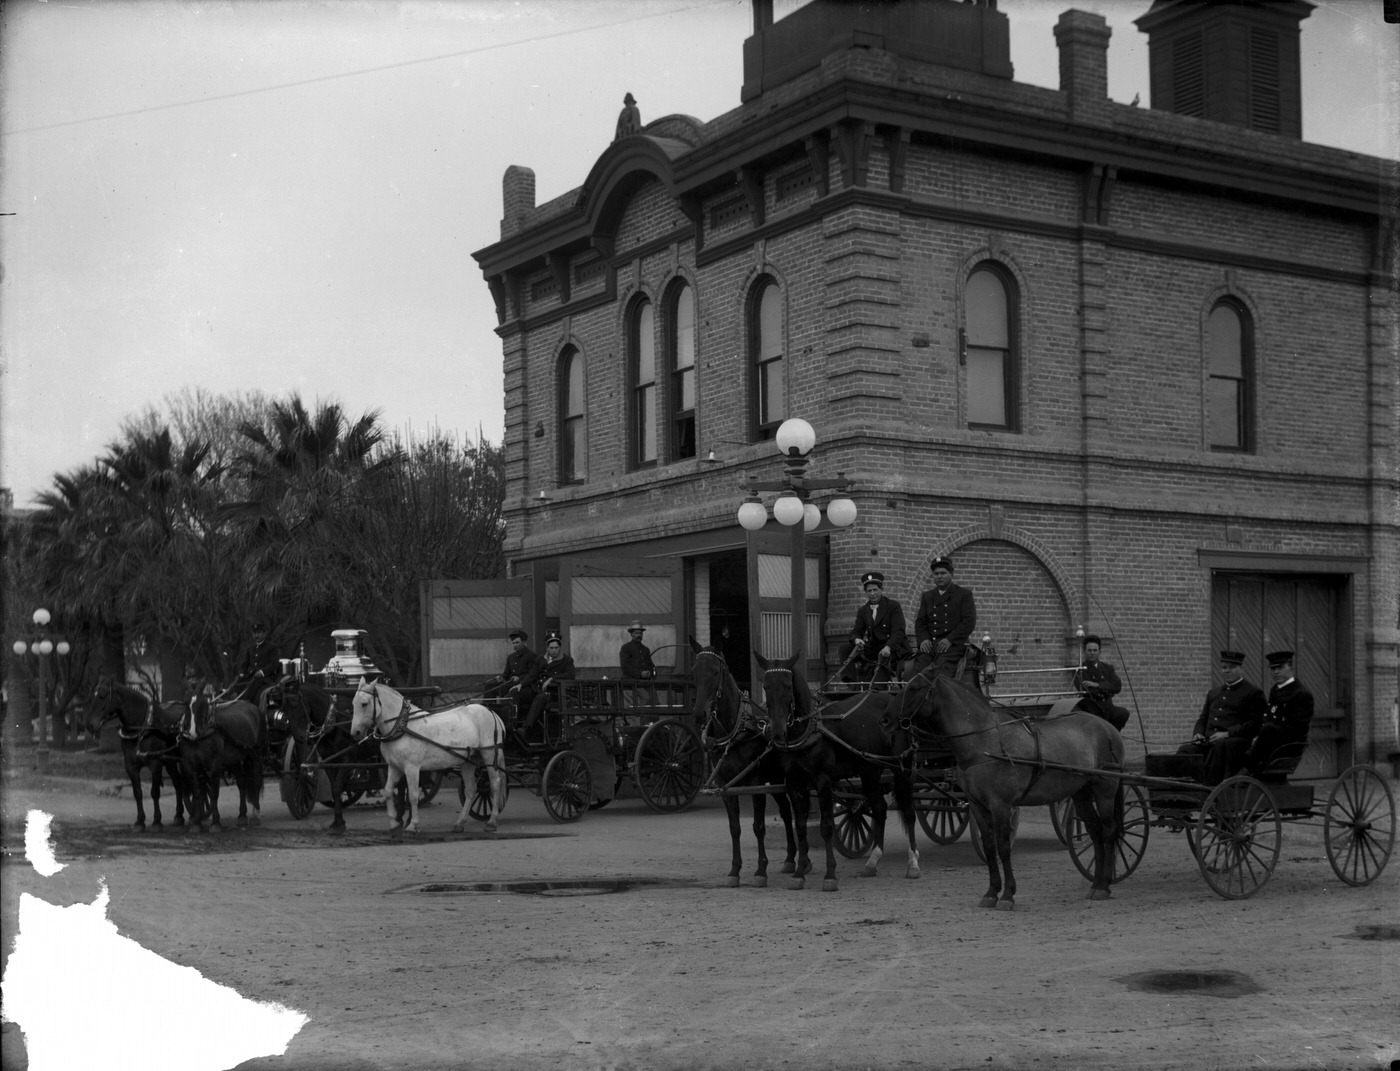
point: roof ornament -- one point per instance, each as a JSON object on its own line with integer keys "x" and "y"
{"x": 629, "y": 122}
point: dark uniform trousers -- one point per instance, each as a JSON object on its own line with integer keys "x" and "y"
{"x": 950, "y": 615}
{"x": 1286, "y": 721}
{"x": 1236, "y": 709}
{"x": 879, "y": 625}
{"x": 520, "y": 666}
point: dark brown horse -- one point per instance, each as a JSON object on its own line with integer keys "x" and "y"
{"x": 149, "y": 741}
{"x": 228, "y": 738}
{"x": 323, "y": 741}
{"x": 1006, "y": 761}
{"x": 854, "y": 738}
{"x": 741, "y": 756}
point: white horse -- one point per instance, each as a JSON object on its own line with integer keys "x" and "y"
{"x": 411, "y": 739}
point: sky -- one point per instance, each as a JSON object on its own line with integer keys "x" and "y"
{"x": 284, "y": 195}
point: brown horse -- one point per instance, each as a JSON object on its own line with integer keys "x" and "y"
{"x": 1006, "y": 761}
{"x": 854, "y": 738}
{"x": 228, "y": 738}
{"x": 741, "y": 755}
{"x": 148, "y": 742}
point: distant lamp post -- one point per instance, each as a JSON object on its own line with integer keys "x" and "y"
{"x": 41, "y": 646}
{"x": 793, "y": 508}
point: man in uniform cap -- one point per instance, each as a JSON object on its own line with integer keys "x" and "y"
{"x": 635, "y": 656}
{"x": 878, "y": 643}
{"x": 554, "y": 666}
{"x": 260, "y": 667}
{"x": 520, "y": 663}
{"x": 1230, "y": 718}
{"x": 1099, "y": 682}
{"x": 1290, "y": 710}
{"x": 947, "y": 616}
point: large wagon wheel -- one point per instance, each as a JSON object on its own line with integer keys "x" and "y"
{"x": 567, "y": 787}
{"x": 669, "y": 767}
{"x": 1359, "y": 825}
{"x": 1130, "y": 845}
{"x": 1238, "y": 836}
{"x": 976, "y": 834}
{"x": 1061, "y": 812}
{"x": 429, "y": 782}
{"x": 298, "y": 784}
{"x": 481, "y": 794}
{"x": 357, "y": 779}
{"x": 944, "y": 818}
{"x": 855, "y": 826}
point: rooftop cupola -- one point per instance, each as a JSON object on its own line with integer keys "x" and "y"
{"x": 1233, "y": 61}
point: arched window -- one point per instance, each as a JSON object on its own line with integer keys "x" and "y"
{"x": 681, "y": 395}
{"x": 989, "y": 349}
{"x": 1230, "y": 375}
{"x": 642, "y": 347}
{"x": 769, "y": 398}
{"x": 573, "y": 433}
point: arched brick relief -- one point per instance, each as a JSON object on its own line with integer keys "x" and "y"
{"x": 998, "y": 255}
{"x": 1025, "y": 598}
{"x": 1228, "y": 289}
{"x": 622, "y": 309}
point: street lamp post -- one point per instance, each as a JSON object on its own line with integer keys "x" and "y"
{"x": 41, "y": 647}
{"x": 795, "y": 440}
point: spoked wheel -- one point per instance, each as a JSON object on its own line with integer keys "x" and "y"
{"x": 669, "y": 767}
{"x": 429, "y": 781}
{"x": 298, "y": 785}
{"x": 855, "y": 827}
{"x": 1060, "y": 814}
{"x": 1359, "y": 825}
{"x": 1127, "y": 850}
{"x": 1238, "y": 836}
{"x": 567, "y": 787}
{"x": 943, "y": 817}
{"x": 976, "y": 834}
{"x": 481, "y": 795}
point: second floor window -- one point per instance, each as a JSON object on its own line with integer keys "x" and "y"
{"x": 681, "y": 398}
{"x": 1229, "y": 360}
{"x": 643, "y": 375}
{"x": 989, "y": 348}
{"x": 766, "y": 341}
{"x": 573, "y": 442}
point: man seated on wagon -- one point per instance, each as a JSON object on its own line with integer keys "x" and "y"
{"x": 1289, "y": 713}
{"x": 635, "y": 657}
{"x": 259, "y": 669}
{"x": 555, "y": 666}
{"x": 1229, "y": 721}
{"x": 947, "y": 616}
{"x": 878, "y": 643}
{"x": 520, "y": 663}
{"x": 1099, "y": 683}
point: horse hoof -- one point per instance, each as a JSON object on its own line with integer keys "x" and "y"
{"x": 732, "y": 881}
{"x": 788, "y": 867}
{"x": 242, "y": 822}
{"x": 1099, "y": 894}
{"x": 797, "y": 883}
{"x": 178, "y": 822}
{"x": 828, "y": 884}
{"x": 760, "y": 881}
{"x": 256, "y": 820}
{"x": 156, "y": 824}
{"x": 869, "y": 872}
{"x": 140, "y": 827}
{"x": 339, "y": 831}
{"x": 492, "y": 827}
{"x": 458, "y": 828}
{"x": 912, "y": 872}
{"x": 987, "y": 901}
{"x": 1006, "y": 905}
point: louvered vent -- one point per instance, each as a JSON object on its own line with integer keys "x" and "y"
{"x": 1263, "y": 80}
{"x": 1188, "y": 76}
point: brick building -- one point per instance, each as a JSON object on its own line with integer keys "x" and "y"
{"x": 1134, "y": 369}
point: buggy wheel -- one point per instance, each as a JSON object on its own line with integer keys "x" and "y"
{"x": 567, "y": 787}
{"x": 298, "y": 785}
{"x": 855, "y": 828}
{"x": 944, "y": 817}
{"x": 669, "y": 767}
{"x": 1060, "y": 814}
{"x": 429, "y": 781}
{"x": 1359, "y": 825}
{"x": 1126, "y": 851}
{"x": 1238, "y": 836}
{"x": 481, "y": 795}
{"x": 977, "y": 835}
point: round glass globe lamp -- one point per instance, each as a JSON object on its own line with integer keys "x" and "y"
{"x": 41, "y": 617}
{"x": 44, "y": 647}
{"x": 811, "y": 516}
{"x": 789, "y": 510}
{"x": 752, "y": 516}
{"x": 841, "y": 512}
{"x": 19, "y": 647}
{"x": 795, "y": 436}
{"x": 63, "y": 647}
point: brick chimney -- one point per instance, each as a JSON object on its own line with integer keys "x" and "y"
{"x": 518, "y": 190}
{"x": 1083, "y": 40}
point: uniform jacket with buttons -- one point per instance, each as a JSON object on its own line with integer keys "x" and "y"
{"x": 951, "y": 613}
{"x": 1290, "y": 706}
{"x": 1237, "y": 709}
{"x": 882, "y": 624}
{"x": 1105, "y": 676}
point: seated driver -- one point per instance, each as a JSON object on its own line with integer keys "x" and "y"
{"x": 1099, "y": 682}
{"x": 878, "y": 643}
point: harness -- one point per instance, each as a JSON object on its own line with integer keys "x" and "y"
{"x": 815, "y": 732}
{"x": 401, "y": 728}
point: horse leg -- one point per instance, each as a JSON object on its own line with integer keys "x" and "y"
{"x": 760, "y": 836}
{"x": 989, "y": 852}
{"x": 496, "y": 774}
{"x": 736, "y": 862}
{"x": 799, "y": 798}
{"x": 904, "y": 800}
{"x": 391, "y": 784}
{"x": 181, "y": 790}
{"x": 410, "y": 770}
{"x": 826, "y": 803}
{"x": 133, "y": 771}
{"x": 460, "y": 825}
{"x": 785, "y": 813}
{"x": 252, "y": 763}
{"x": 1104, "y": 823}
{"x": 157, "y": 780}
{"x": 1001, "y": 819}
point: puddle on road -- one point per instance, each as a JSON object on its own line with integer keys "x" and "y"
{"x": 1377, "y": 932}
{"x": 1228, "y": 984}
{"x": 575, "y": 887}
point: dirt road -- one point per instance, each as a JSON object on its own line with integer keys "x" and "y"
{"x": 439, "y": 952}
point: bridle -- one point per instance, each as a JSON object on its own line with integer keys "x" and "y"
{"x": 713, "y": 733}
